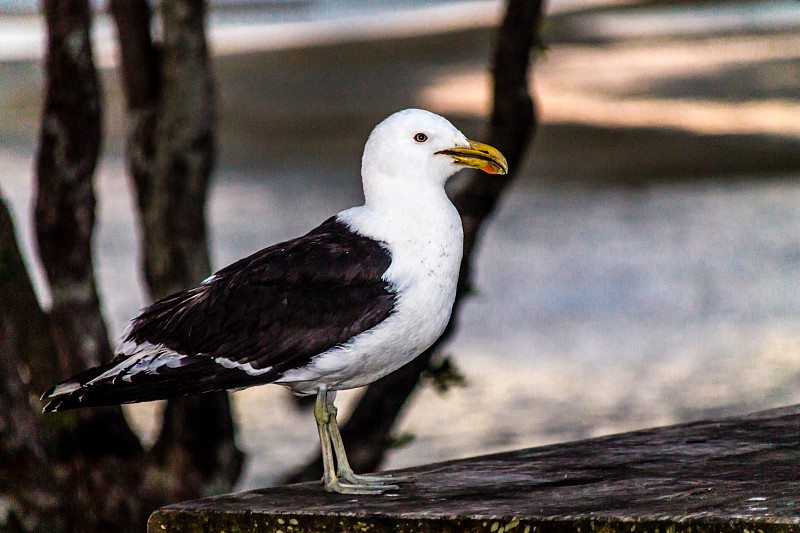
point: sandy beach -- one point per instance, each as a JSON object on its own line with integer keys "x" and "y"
{"x": 641, "y": 270}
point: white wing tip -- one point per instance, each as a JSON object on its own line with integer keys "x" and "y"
{"x": 246, "y": 367}
{"x": 65, "y": 388}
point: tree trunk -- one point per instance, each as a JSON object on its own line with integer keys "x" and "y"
{"x": 64, "y": 216}
{"x": 27, "y": 489}
{"x": 84, "y": 470}
{"x": 512, "y": 126}
{"x": 171, "y": 155}
{"x": 25, "y": 327}
{"x": 89, "y": 452}
{"x": 65, "y": 202}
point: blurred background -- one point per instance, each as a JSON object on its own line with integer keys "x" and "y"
{"x": 642, "y": 269}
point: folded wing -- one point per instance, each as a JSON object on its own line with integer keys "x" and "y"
{"x": 247, "y": 324}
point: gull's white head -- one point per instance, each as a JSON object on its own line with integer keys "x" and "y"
{"x": 418, "y": 147}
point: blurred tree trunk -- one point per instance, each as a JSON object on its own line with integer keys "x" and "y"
{"x": 74, "y": 472}
{"x": 512, "y": 126}
{"x": 65, "y": 202}
{"x": 27, "y": 362}
{"x": 64, "y": 212}
{"x": 85, "y": 470}
{"x": 170, "y": 97}
{"x": 62, "y": 473}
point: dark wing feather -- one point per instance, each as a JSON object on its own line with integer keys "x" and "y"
{"x": 277, "y": 309}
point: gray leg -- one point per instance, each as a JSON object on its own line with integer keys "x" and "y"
{"x": 325, "y": 420}
{"x": 344, "y": 470}
{"x": 329, "y": 475}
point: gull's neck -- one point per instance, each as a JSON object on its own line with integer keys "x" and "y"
{"x": 400, "y": 192}
{"x": 399, "y": 209}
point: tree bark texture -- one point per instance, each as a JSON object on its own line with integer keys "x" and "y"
{"x": 170, "y": 97}
{"x": 66, "y": 472}
{"x": 65, "y": 217}
{"x": 25, "y": 327}
{"x": 171, "y": 144}
{"x": 84, "y": 465}
{"x": 65, "y": 202}
{"x": 512, "y": 126}
{"x": 26, "y": 349}
{"x": 84, "y": 470}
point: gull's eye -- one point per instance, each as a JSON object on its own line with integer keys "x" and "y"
{"x": 420, "y": 137}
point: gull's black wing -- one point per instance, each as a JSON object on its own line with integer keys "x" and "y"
{"x": 247, "y": 324}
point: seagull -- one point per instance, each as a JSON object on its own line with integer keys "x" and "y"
{"x": 354, "y": 299}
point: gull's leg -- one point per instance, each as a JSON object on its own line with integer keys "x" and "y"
{"x": 343, "y": 468}
{"x": 323, "y": 417}
{"x": 329, "y": 476}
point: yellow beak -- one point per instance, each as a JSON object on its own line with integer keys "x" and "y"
{"x": 480, "y": 156}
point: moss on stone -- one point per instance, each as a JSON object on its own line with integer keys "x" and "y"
{"x": 247, "y": 522}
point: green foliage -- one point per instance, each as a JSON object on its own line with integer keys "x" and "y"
{"x": 445, "y": 375}
{"x": 64, "y": 421}
{"x": 469, "y": 291}
{"x": 398, "y": 441}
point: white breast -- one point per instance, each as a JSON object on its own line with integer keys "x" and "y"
{"x": 425, "y": 238}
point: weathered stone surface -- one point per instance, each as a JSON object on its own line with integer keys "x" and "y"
{"x": 737, "y": 474}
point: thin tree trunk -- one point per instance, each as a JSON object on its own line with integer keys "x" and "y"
{"x": 172, "y": 184}
{"x": 512, "y": 126}
{"x": 65, "y": 202}
{"x": 64, "y": 216}
{"x": 171, "y": 155}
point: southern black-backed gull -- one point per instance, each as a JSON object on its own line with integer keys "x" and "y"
{"x": 338, "y": 308}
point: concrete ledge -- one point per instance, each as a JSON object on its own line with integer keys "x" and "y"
{"x": 731, "y": 475}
